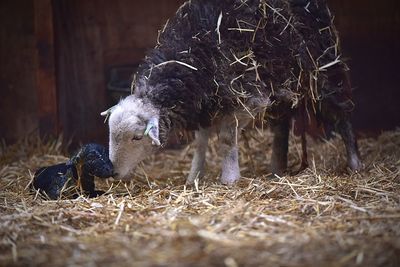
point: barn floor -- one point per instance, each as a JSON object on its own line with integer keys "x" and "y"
{"x": 322, "y": 216}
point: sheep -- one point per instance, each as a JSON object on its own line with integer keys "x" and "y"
{"x": 77, "y": 173}
{"x": 218, "y": 65}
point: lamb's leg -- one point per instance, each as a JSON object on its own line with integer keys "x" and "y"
{"x": 346, "y": 131}
{"x": 199, "y": 157}
{"x": 280, "y": 146}
{"x": 87, "y": 183}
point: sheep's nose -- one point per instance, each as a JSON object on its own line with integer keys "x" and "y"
{"x": 115, "y": 174}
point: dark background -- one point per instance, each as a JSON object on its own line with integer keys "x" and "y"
{"x": 56, "y": 57}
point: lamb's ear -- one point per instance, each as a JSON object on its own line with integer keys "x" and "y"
{"x": 75, "y": 159}
{"x": 153, "y": 131}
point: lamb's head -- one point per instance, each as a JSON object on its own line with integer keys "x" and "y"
{"x": 134, "y": 134}
{"x": 94, "y": 161}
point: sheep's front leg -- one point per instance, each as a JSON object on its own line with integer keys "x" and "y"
{"x": 229, "y": 152}
{"x": 199, "y": 157}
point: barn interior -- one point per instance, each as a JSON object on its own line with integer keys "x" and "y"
{"x": 65, "y": 61}
{"x": 59, "y": 57}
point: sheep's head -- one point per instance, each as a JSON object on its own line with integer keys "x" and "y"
{"x": 134, "y": 134}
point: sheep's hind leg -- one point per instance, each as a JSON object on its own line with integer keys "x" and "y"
{"x": 346, "y": 131}
{"x": 199, "y": 157}
{"x": 280, "y": 146}
{"x": 334, "y": 114}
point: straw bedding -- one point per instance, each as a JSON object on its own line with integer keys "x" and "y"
{"x": 322, "y": 216}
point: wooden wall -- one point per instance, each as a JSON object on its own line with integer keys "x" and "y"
{"x": 91, "y": 36}
{"x": 88, "y": 37}
{"x": 370, "y": 34}
{"x": 18, "y": 102}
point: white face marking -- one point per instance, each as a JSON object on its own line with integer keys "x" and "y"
{"x": 128, "y": 144}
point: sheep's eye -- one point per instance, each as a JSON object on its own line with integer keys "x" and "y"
{"x": 136, "y": 138}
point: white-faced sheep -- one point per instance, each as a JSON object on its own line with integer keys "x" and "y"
{"x": 218, "y": 64}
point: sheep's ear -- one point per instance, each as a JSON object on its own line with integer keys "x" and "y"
{"x": 108, "y": 112}
{"x": 152, "y": 131}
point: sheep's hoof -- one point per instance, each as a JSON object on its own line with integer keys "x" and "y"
{"x": 229, "y": 178}
{"x": 194, "y": 176}
{"x": 355, "y": 164}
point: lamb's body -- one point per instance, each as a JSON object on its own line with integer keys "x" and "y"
{"x": 227, "y": 60}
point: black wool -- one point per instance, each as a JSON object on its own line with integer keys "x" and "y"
{"x": 77, "y": 175}
{"x": 260, "y": 50}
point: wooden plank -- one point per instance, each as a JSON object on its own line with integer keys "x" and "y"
{"x": 370, "y": 41}
{"x": 93, "y": 36}
{"x": 45, "y": 73}
{"x": 18, "y": 107}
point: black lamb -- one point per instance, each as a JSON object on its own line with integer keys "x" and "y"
{"x": 76, "y": 175}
